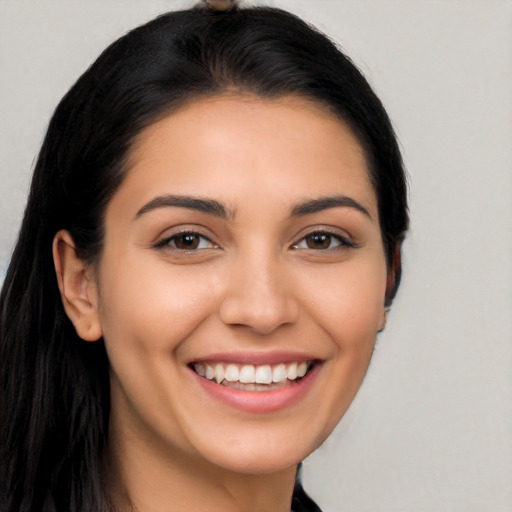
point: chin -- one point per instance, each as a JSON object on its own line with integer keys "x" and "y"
{"x": 262, "y": 451}
{"x": 260, "y": 463}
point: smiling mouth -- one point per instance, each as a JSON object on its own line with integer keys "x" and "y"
{"x": 248, "y": 377}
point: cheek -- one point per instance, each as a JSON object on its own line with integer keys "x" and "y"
{"x": 350, "y": 314}
{"x": 153, "y": 307}
{"x": 348, "y": 302}
{"x": 147, "y": 312}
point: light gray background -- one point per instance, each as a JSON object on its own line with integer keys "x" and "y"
{"x": 431, "y": 429}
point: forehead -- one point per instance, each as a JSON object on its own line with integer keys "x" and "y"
{"x": 236, "y": 144}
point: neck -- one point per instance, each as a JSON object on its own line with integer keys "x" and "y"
{"x": 153, "y": 478}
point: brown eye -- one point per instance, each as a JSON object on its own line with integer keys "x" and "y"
{"x": 187, "y": 241}
{"x": 319, "y": 241}
{"x": 324, "y": 241}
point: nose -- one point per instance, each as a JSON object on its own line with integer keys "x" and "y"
{"x": 259, "y": 296}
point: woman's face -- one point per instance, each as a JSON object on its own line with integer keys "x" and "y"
{"x": 243, "y": 246}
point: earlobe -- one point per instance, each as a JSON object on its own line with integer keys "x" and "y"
{"x": 384, "y": 318}
{"x": 78, "y": 289}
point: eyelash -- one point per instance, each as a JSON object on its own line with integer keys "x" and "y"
{"x": 343, "y": 242}
{"x": 168, "y": 242}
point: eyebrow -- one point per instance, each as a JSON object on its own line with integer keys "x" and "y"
{"x": 199, "y": 204}
{"x": 217, "y": 209}
{"x": 324, "y": 203}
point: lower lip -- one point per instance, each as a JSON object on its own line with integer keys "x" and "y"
{"x": 259, "y": 402}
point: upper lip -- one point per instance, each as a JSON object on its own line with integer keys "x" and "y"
{"x": 256, "y": 358}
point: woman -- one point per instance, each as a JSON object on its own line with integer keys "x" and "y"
{"x": 211, "y": 241}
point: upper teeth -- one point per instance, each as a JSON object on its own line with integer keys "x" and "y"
{"x": 249, "y": 373}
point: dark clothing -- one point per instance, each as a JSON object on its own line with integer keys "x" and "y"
{"x": 301, "y": 502}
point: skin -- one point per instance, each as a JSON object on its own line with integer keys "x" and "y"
{"x": 256, "y": 283}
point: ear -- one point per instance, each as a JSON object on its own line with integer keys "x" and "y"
{"x": 393, "y": 281}
{"x": 78, "y": 288}
{"x": 394, "y": 274}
